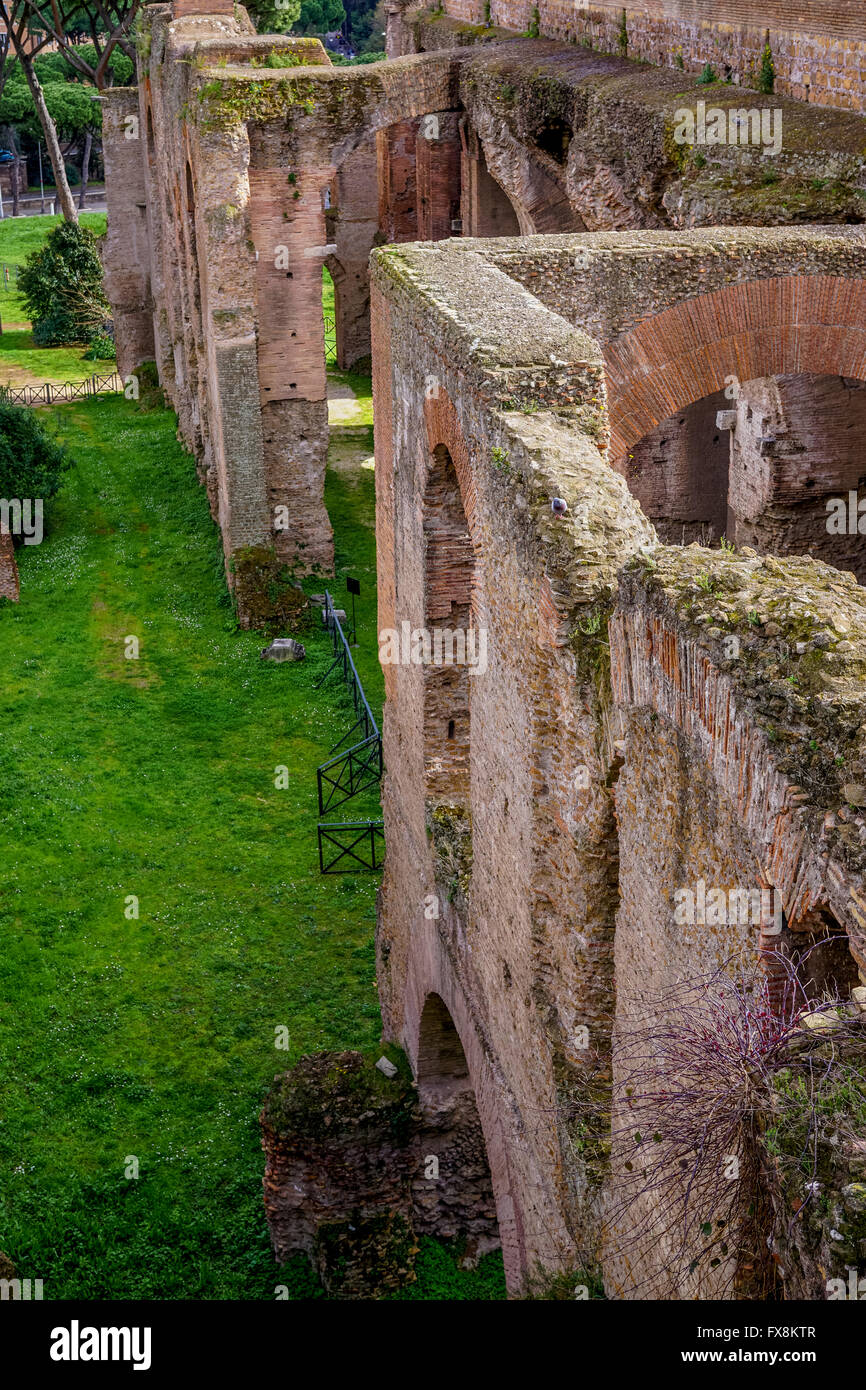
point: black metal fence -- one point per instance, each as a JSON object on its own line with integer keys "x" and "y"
{"x": 350, "y": 771}
{"x": 51, "y": 392}
{"x": 330, "y": 341}
{"x": 358, "y": 845}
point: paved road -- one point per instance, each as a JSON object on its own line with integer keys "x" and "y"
{"x": 35, "y": 209}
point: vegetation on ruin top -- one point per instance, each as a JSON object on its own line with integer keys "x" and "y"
{"x": 799, "y": 658}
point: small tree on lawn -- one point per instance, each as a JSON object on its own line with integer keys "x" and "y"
{"x": 32, "y": 463}
{"x": 62, "y": 287}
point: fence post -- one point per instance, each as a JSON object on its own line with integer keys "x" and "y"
{"x": 48, "y": 393}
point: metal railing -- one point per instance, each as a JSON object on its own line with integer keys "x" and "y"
{"x": 51, "y": 392}
{"x": 352, "y": 770}
{"x": 330, "y": 340}
{"x": 349, "y": 774}
{"x": 356, "y": 843}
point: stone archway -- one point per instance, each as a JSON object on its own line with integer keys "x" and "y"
{"x": 757, "y": 328}
{"x": 453, "y": 1195}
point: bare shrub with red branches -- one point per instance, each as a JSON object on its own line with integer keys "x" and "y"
{"x": 688, "y": 1213}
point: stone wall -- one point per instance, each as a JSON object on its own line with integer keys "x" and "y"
{"x": 818, "y": 50}
{"x": 621, "y": 747}
{"x": 9, "y": 587}
{"x": 360, "y": 1163}
{"x": 791, "y": 454}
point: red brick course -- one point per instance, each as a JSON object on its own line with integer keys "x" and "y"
{"x": 760, "y": 328}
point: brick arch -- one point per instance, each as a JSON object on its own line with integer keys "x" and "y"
{"x": 443, "y": 429}
{"x": 772, "y": 327}
{"x": 430, "y": 979}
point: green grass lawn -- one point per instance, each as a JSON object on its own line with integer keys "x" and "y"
{"x": 152, "y": 1038}
{"x": 19, "y": 236}
{"x": 19, "y": 353}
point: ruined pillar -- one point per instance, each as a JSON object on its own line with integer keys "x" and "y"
{"x": 287, "y": 217}
{"x": 357, "y": 1164}
{"x": 8, "y": 569}
{"x": 126, "y": 251}
{"x": 395, "y": 152}
{"x": 353, "y": 225}
{"x": 437, "y": 164}
{"x": 796, "y": 459}
{"x": 399, "y": 38}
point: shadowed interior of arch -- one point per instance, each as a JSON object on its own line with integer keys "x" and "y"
{"x": 449, "y": 564}
{"x": 770, "y": 463}
{"x": 462, "y": 1195}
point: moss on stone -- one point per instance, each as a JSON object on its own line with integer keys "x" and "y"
{"x": 327, "y": 1091}
{"x": 366, "y": 1256}
{"x": 266, "y": 590}
{"x": 450, "y": 831}
{"x": 799, "y": 660}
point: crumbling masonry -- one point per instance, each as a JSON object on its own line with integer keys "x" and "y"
{"x": 576, "y": 316}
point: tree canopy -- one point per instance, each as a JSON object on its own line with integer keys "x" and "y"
{"x": 61, "y": 285}
{"x": 274, "y": 17}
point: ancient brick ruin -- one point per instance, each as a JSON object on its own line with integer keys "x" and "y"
{"x": 566, "y": 429}
{"x": 232, "y": 182}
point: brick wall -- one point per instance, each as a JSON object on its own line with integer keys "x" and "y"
{"x": 819, "y": 50}
{"x": 438, "y": 175}
{"x": 791, "y": 452}
{"x": 552, "y": 912}
{"x": 9, "y": 587}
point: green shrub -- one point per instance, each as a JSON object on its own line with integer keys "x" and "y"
{"x": 32, "y": 463}
{"x": 73, "y": 175}
{"x": 708, "y": 74}
{"x": 767, "y": 70}
{"x": 100, "y": 349}
{"x": 622, "y": 36}
{"x": 61, "y": 285}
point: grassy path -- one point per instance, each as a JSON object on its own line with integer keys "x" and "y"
{"x": 152, "y": 1038}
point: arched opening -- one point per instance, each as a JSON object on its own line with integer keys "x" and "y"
{"x": 773, "y": 463}
{"x": 810, "y": 964}
{"x": 460, "y": 1202}
{"x": 449, "y": 570}
{"x": 679, "y": 474}
{"x": 493, "y": 213}
{"x": 554, "y": 139}
{"x": 441, "y": 1059}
